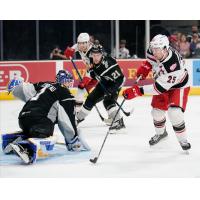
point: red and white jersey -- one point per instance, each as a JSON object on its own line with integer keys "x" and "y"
{"x": 85, "y": 56}
{"x": 169, "y": 73}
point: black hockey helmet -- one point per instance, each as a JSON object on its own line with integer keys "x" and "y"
{"x": 97, "y": 48}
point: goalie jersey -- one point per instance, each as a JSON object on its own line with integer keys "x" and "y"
{"x": 169, "y": 73}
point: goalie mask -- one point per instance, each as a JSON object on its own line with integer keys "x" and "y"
{"x": 65, "y": 78}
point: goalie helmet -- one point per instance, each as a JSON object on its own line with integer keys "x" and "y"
{"x": 83, "y": 37}
{"x": 65, "y": 77}
{"x": 160, "y": 41}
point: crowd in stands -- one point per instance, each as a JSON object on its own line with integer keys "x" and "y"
{"x": 187, "y": 44}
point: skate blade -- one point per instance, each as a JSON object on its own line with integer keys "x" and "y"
{"x": 23, "y": 156}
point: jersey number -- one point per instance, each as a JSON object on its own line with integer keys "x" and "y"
{"x": 171, "y": 79}
{"x": 115, "y": 74}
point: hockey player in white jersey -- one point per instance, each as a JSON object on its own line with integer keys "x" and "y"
{"x": 83, "y": 47}
{"x": 170, "y": 89}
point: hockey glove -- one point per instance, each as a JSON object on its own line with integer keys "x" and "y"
{"x": 13, "y": 83}
{"x": 84, "y": 83}
{"x": 144, "y": 70}
{"x": 132, "y": 92}
{"x": 69, "y": 52}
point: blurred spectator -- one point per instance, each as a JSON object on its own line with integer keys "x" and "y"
{"x": 92, "y": 39}
{"x": 57, "y": 54}
{"x": 197, "y": 50}
{"x": 174, "y": 42}
{"x": 194, "y": 30}
{"x": 184, "y": 46}
{"x": 178, "y": 35}
{"x": 195, "y": 46}
{"x": 123, "y": 51}
{"x": 96, "y": 42}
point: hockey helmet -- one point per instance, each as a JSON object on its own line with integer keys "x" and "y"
{"x": 65, "y": 77}
{"x": 83, "y": 37}
{"x": 97, "y": 49}
{"x": 160, "y": 41}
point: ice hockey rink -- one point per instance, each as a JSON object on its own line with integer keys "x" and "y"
{"x": 124, "y": 155}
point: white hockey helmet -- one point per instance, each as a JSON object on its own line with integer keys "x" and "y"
{"x": 83, "y": 37}
{"x": 160, "y": 41}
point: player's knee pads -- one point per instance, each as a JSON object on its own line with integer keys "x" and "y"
{"x": 8, "y": 138}
{"x": 158, "y": 114}
{"x": 176, "y": 115}
{"x": 84, "y": 111}
{"x": 158, "y": 118}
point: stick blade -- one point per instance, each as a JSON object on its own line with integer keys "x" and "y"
{"x": 93, "y": 160}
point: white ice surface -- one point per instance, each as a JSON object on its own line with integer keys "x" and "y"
{"x": 124, "y": 155}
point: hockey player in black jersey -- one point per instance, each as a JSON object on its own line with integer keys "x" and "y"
{"x": 47, "y": 103}
{"x": 110, "y": 79}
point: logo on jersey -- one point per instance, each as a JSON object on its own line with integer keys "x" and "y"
{"x": 173, "y": 67}
{"x": 8, "y": 71}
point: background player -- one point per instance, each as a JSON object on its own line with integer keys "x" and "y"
{"x": 83, "y": 47}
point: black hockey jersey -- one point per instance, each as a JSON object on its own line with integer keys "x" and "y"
{"x": 44, "y": 102}
{"x": 108, "y": 71}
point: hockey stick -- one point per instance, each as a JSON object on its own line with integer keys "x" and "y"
{"x": 75, "y": 67}
{"x": 107, "y": 92}
{"x": 94, "y": 160}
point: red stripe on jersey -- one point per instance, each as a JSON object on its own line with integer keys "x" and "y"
{"x": 183, "y": 77}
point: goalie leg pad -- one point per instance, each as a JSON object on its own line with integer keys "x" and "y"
{"x": 34, "y": 148}
{"x": 8, "y": 138}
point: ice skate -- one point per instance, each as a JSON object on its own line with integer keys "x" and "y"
{"x": 185, "y": 145}
{"x": 117, "y": 127}
{"x": 156, "y": 138}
